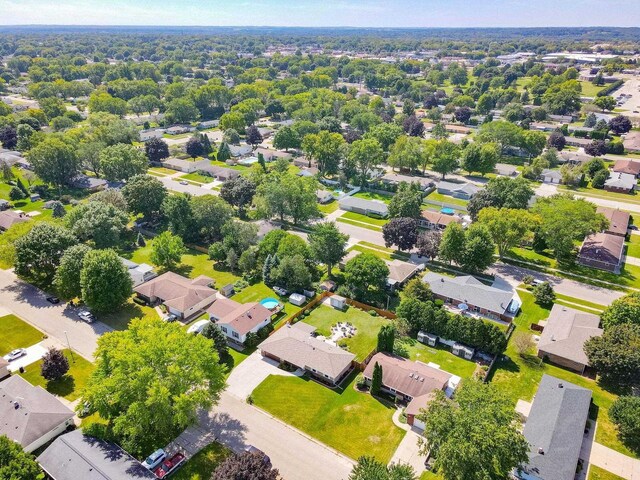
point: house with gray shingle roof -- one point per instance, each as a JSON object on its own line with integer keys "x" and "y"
{"x": 30, "y": 415}
{"x": 458, "y": 190}
{"x": 364, "y": 206}
{"x": 475, "y": 296}
{"x": 620, "y": 182}
{"x": 555, "y": 430}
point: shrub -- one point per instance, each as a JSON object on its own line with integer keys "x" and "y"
{"x": 54, "y": 365}
{"x": 544, "y": 294}
{"x": 373, "y": 313}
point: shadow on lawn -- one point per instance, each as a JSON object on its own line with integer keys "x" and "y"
{"x": 62, "y": 387}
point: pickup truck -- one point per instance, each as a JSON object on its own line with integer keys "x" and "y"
{"x": 170, "y": 465}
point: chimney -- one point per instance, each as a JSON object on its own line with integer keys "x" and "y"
{"x": 541, "y": 451}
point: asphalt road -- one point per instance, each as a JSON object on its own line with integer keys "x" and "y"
{"x": 175, "y": 186}
{"x": 30, "y": 304}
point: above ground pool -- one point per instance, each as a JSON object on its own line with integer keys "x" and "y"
{"x": 270, "y": 303}
{"x": 447, "y": 211}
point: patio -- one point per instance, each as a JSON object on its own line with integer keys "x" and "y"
{"x": 342, "y": 330}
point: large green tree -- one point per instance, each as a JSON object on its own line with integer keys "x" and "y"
{"x": 149, "y": 383}
{"x": 328, "y": 244}
{"x": 445, "y": 158}
{"x": 368, "y": 468}
{"x": 615, "y": 355}
{"x": 452, "y": 243}
{"x": 326, "y": 148}
{"x": 453, "y": 427}
{"x": 144, "y": 194}
{"x": 622, "y": 310}
{"x": 478, "y": 249}
{"x": 67, "y": 278}
{"x": 292, "y": 274}
{"x": 366, "y": 276}
{"x": 15, "y": 463}
{"x": 365, "y": 155}
{"x": 121, "y": 162}
{"x": 508, "y": 226}
{"x": 167, "y": 250}
{"x": 210, "y": 213}
{"x": 104, "y": 281}
{"x": 407, "y": 201}
{"x": 97, "y": 221}
{"x": 54, "y": 161}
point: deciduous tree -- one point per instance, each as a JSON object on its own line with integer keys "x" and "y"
{"x": 622, "y": 310}
{"x": 327, "y": 244}
{"x": 156, "y": 150}
{"x": 97, "y": 221}
{"x": 245, "y": 466}
{"x": 144, "y": 194}
{"x": 615, "y": 355}
{"x": 402, "y": 232}
{"x": 167, "y": 250}
{"x": 104, "y": 280}
{"x": 54, "y": 365}
{"x": 121, "y": 162}
{"x": 17, "y": 464}
{"x": 67, "y": 277}
{"x": 407, "y": 201}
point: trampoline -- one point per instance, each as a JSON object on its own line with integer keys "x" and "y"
{"x": 270, "y": 303}
{"x": 447, "y": 211}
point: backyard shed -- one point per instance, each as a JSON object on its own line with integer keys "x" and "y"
{"x": 463, "y": 351}
{"x": 297, "y": 299}
{"x": 338, "y": 302}
{"x": 427, "y": 338}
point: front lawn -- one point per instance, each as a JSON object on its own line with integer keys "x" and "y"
{"x": 518, "y": 376}
{"x": 597, "y": 473}
{"x": 633, "y": 246}
{"x": 374, "y": 196}
{"x": 203, "y": 463}
{"x": 17, "y": 334}
{"x": 329, "y": 207}
{"x": 353, "y": 423}
{"x": 589, "y": 89}
{"x": 235, "y": 358}
{"x": 367, "y": 326}
{"x": 359, "y": 224}
{"x": 68, "y": 386}
{"x": 589, "y": 191}
{"x": 440, "y": 355}
{"x": 358, "y": 217}
{"x": 197, "y": 177}
{"x": 119, "y": 320}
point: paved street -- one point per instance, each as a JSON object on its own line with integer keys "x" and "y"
{"x": 547, "y": 190}
{"x": 30, "y": 304}
{"x": 175, "y": 186}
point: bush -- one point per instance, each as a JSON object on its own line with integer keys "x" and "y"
{"x": 15, "y": 194}
{"x": 373, "y": 313}
{"x": 54, "y": 365}
{"x": 438, "y": 303}
{"x": 544, "y": 294}
{"x": 625, "y": 413}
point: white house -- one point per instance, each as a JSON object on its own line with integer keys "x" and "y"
{"x": 30, "y": 415}
{"x": 146, "y": 135}
{"x": 551, "y": 176}
{"x": 323, "y": 196}
{"x": 237, "y": 320}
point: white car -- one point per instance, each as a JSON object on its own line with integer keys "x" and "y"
{"x": 87, "y": 316}
{"x": 15, "y": 354}
{"x": 197, "y": 327}
{"x": 155, "y": 459}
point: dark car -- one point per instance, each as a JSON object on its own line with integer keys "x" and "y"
{"x": 256, "y": 451}
{"x": 53, "y": 300}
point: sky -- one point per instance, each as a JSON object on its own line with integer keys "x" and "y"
{"x": 319, "y": 13}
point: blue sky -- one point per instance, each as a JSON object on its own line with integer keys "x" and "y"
{"x": 360, "y": 13}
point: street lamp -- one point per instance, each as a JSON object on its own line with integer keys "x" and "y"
{"x": 69, "y": 345}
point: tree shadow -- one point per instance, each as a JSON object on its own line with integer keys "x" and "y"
{"x": 63, "y": 386}
{"x": 181, "y": 269}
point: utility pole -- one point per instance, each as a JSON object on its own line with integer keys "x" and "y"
{"x": 69, "y": 345}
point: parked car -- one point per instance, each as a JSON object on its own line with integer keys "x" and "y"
{"x": 256, "y": 451}
{"x": 155, "y": 459}
{"x": 280, "y": 291}
{"x": 84, "y": 410}
{"x": 15, "y": 354}
{"x": 167, "y": 467}
{"x": 171, "y": 318}
{"x": 633, "y": 227}
{"x": 87, "y": 316}
{"x": 53, "y": 300}
{"x": 197, "y": 327}
{"x": 184, "y": 182}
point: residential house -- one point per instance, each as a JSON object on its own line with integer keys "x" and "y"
{"x": 8, "y": 218}
{"x": 437, "y": 221}
{"x": 401, "y": 272}
{"x": 264, "y": 227}
{"x": 620, "y": 182}
{"x": 186, "y": 166}
{"x": 30, "y": 415}
{"x": 603, "y": 251}
{"x": 208, "y": 124}
{"x": 146, "y": 135}
{"x": 183, "y": 297}
{"x": 564, "y": 335}
{"x": 555, "y": 430}
{"x": 222, "y": 174}
{"x": 90, "y": 184}
{"x": 303, "y": 162}
{"x": 179, "y": 129}
{"x": 323, "y": 196}
{"x": 467, "y": 293}
{"x": 308, "y": 172}
{"x": 240, "y": 150}
{"x": 551, "y": 176}
{"x": 561, "y": 118}
{"x": 543, "y": 126}
{"x": 506, "y": 170}
{"x": 139, "y": 272}
{"x": 74, "y": 456}
{"x": 627, "y": 166}
{"x": 237, "y": 320}
{"x": 412, "y": 382}
{"x": 573, "y": 158}
{"x": 631, "y": 141}
{"x": 396, "y": 179}
{"x": 265, "y": 132}
{"x": 4, "y": 204}
{"x": 363, "y": 206}
{"x": 581, "y": 130}
{"x": 458, "y": 190}
{"x": 296, "y": 346}
{"x": 618, "y": 220}
{"x": 271, "y": 155}
{"x": 577, "y": 141}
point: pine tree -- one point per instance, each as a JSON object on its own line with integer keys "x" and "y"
{"x": 140, "y": 240}
{"x": 386, "y": 338}
{"x": 262, "y": 162}
{"x": 376, "y": 379}
{"x": 58, "y": 211}
{"x": 21, "y": 186}
{"x": 266, "y": 270}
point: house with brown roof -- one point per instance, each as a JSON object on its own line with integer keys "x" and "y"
{"x": 400, "y": 272}
{"x": 30, "y": 415}
{"x": 631, "y": 141}
{"x": 627, "y": 166}
{"x": 618, "y": 220}
{"x": 183, "y": 297}
{"x": 296, "y": 346}
{"x": 564, "y": 335}
{"x": 238, "y": 320}
{"x": 8, "y": 218}
{"x": 413, "y": 382}
{"x": 603, "y": 251}
{"x": 437, "y": 221}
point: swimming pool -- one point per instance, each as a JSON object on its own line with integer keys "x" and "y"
{"x": 447, "y": 211}
{"x": 270, "y": 303}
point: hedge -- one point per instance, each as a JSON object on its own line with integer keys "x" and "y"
{"x": 610, "y": 89}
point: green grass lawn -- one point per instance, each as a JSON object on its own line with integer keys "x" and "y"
{"x": 570, "y": 301}
{"x": 68, "y": 386}
{"x": 203, "y": 463}
{"x": 235, "y": 358}
{"x": 259, "y": 291}
{"x": 353, "y": 423}
{"x": 633, "y": 246}
{"x": 374, "y": 196}
{"x": 366, "y": 337}
{"x": 438, "y": 197}
{"x": 17, "y": 334}
{"x": 589, "y": 191}
{"x": 197, "y": 177}
{"x": 597, "y": 473}
{"x": 518, "y": 376}
{"x": 378, "y": 253}
{"x": 589, "y": 89}
{"x": 440, "y": 355}
{"x": 119, "y": 320}
{"x": 358, "y": 217}
{"x": 162, "y": 171}
{"x": 328, "y": 208}
{"x": 356, "y": 223}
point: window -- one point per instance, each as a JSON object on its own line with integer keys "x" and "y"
{"x": 224, "y": 329}
{"x": 235, "y": 335}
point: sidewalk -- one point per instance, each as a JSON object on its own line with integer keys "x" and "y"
{"x": 608, "y": 459}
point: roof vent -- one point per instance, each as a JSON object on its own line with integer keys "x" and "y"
{"x": 16, "y": 405}
{"x": 560, "y": 385}
{"x": 422, "y": 379}
{"x": 442, "y": 280}
{"x": 541, "y": 451}
{"x": 411, "y": 375}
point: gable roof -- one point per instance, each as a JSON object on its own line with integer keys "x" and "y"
{"x": 603, "y": 247}
{"x": 618, "y": 220}
{"x": 620, "y": 180}
{"x": 241, "y": 317}
{"x": 468, "y": 289}
{"x": 371, "y": 205}
{"x": 555, "y": 174}
{"x": 8, "y": 218}
{"x": 438, "y": 218}
{"x": 468, "y": 188}
{"x": 400, "y": 271}
{"x": 177, "y": 291}
{"x": 566, "y": 331}
{"x": 627, "y": 166}
{"x": 27, "y": 412}
{"x": 294, "y": 344}
{"x": 409, "y": 378}
{"x": 555, "y": 428}
{"x": 74, "y": 455}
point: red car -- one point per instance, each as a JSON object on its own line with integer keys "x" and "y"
{"x": 171, "y": 464}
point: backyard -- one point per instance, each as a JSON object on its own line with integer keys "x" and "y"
{"x": 518, "y": 376}
{"x": 374, "y": 196}
{"x": 260, "y": 291}
{"x": 68, "y": 386}
{"x": 17, "y": 334}
{"x": 440, "y": 355}
{"x": 353, "y": 423}
{"x": 367, "y": 326}
{"x": 438, "y": 197}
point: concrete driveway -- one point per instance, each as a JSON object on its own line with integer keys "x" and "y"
{"x": 175, "y": 186}
{"x": 34, "y": 353}
{"x": 252, "y": 372}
